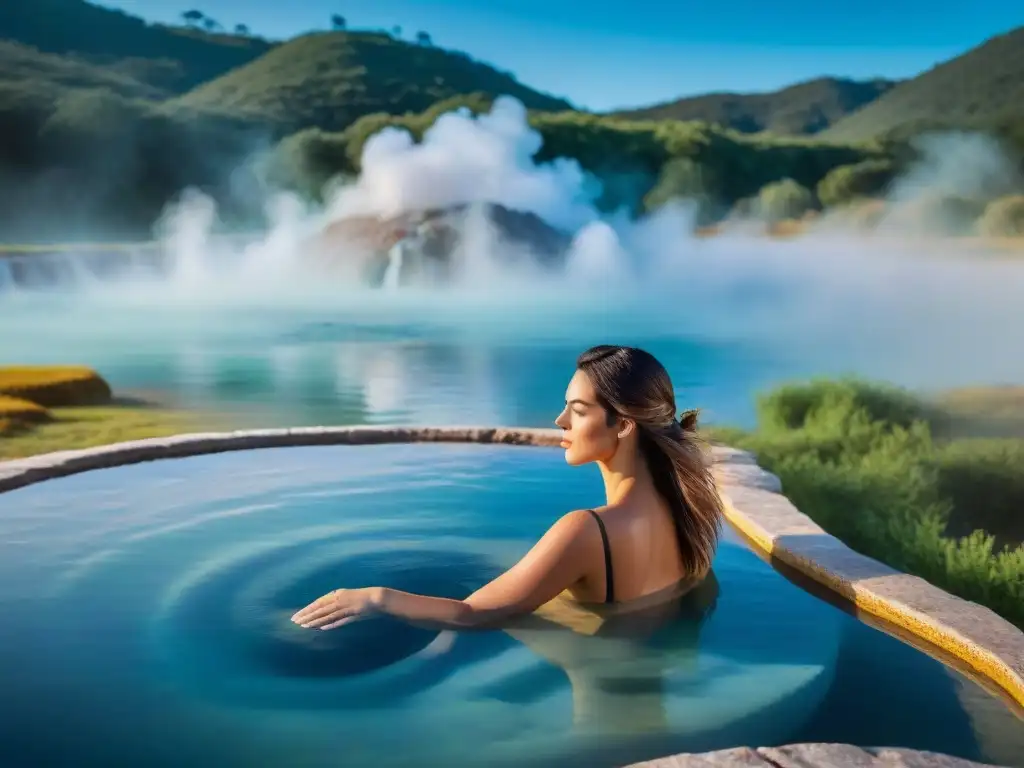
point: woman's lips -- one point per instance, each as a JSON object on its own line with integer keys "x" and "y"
{"x": 565, "y": 443}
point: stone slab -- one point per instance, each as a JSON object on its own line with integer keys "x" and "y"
{"x": 810, "y": 756}
{"x": 741, "y": 757}
{"x": 985, "y": 642}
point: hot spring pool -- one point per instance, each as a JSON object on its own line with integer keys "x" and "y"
{"x": 145, "y": 622}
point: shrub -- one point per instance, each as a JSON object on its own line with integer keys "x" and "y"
{"x": 783, "y": 200}
{"x": 687, "y": 179}
{"x": 54, "y": 386}
{"x": 984, "y": 480}
{"x": 1003, "y": 217}
{"x": 848, "y": 183}
{"x": 860, "y": 459}
{"x": 308, "y": 160}
{"x": 794, "y": 406}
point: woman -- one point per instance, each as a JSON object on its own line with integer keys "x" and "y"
{"x": 659, "y": 528}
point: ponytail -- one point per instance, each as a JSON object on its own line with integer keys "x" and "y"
{"x": 681, "y": 470}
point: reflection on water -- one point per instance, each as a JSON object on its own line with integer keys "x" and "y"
{"x": 155, "y": 599}
{"x": 728, "y": 317}
{"x": 618, "y": 662}
{"x": 297, "y": 373}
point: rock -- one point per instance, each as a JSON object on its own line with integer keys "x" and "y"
{"x": 54, "y": 386}
{"x": 430, "y": 242}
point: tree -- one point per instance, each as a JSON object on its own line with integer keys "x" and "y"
{"x": 848, "y": 183}
{"x": 396, "y": 31}
{"x": 338, "y": 21}
{"x": 192, "y": 17}
{"x": 241, "y": 29}
{"x": 785, "y": 199}
{"x": 211, "y": 24}
{"x": 422, "y": 38}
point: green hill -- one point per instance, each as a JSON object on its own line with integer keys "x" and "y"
{"x": 172, "y": 58}
{"x": 982, "y": 87}
{"x": 48, "y": 75}
{"x": 330, "y": 79}
{"x": 804, "y": 108}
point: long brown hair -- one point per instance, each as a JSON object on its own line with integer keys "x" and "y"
{"x": 631, "y": 383}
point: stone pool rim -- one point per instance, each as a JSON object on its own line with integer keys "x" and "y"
{"x": 754, "y": 506}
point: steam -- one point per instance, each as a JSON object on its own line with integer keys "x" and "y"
{"x": 461, "y": 161}
{"x": 973, "y": 166}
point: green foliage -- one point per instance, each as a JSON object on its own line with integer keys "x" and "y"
{"x": 24, "y": 66}
{"x": 1003, "y": 217}
{"x": 795, "y": 406}
{"x": 307, "y": 161}
{"x": 785, "y": 199}
{"x": 685, "y": 178}
{"x": 804, "y": 108}
{"x": 985, "y": 481}
{"x": 84, "y": 122}
{"x": 108, "y": 163}
{"x": 104, "y": 36}
{"x": 642, "y": 165}
{"x": 862, "y": 461}
{"x": 849, "y": 183}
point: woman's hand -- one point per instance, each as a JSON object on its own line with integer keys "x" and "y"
{"x": 342, "y": 606}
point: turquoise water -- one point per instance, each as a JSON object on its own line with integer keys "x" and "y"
{"x": 145, "y": 622}
{"x": 728, "y": 319}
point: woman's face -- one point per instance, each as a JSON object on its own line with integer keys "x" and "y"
{"x": 586, "y": 434}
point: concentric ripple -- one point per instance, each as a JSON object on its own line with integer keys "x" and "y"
{"x": 146, "y": 620}
{"x": 234, "y": 618}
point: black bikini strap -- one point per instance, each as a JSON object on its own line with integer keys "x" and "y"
{"x": 609, "y": 589}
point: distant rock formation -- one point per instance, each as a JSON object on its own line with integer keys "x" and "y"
{"x": 426, "y": 246}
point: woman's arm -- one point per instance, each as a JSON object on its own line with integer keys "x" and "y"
{"x": 554, "y": 563}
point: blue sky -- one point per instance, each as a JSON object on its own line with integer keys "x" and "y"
{"x": 602, "y": 54}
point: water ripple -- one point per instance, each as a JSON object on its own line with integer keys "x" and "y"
{"x": 232, "y": 616}
{"x": 180, "y": 587}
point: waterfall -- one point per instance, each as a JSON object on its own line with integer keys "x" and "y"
{"x": 396, "y": 257}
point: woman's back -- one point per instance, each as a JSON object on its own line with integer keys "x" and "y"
{"x": 632, "y": 552}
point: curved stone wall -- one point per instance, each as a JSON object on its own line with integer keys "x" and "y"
{"x": 985, "y": 643}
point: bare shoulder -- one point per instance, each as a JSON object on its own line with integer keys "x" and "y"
{"x": 577, "y": 518}
{"x": 572, "y": 526}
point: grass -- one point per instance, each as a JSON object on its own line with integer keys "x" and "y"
{"x": 88, "y": 427}
{"x": 61, "y": 408}
{"x": 983, "y": 85}
{"x": 882, "y": 470}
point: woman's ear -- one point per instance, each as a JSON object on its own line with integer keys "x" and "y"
{"x": 626, "y": 428}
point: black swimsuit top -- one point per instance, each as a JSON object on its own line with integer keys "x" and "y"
{"x": 609, "y": 581}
